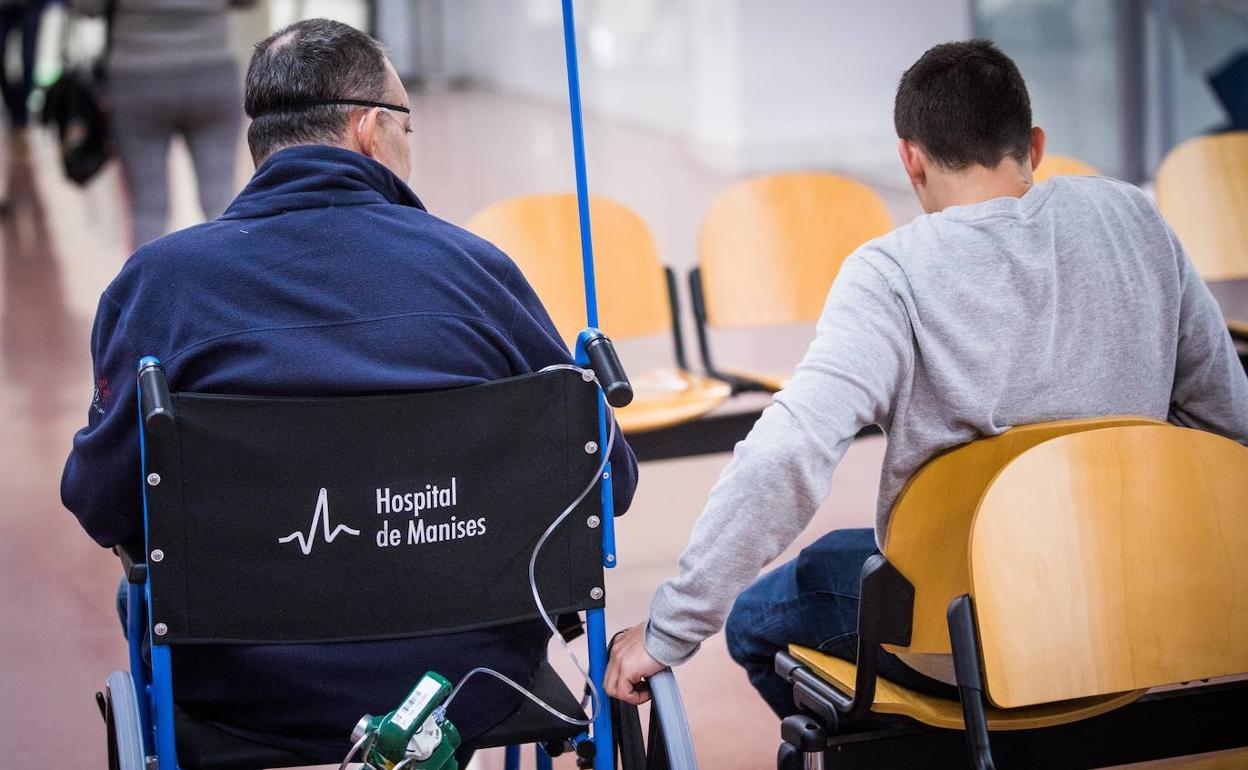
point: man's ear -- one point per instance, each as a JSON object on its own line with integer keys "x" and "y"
{"x": 365, "y": 129}
{"x": 913, "y": 161}
{"x": 1037, "y": 147}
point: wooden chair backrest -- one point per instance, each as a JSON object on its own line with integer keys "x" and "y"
{"x": 771, "y": 246}
{"x": 542, "y": 234}
{"x": 930, "y": 525}
{"x": 1062, "y": 165}
{"x": 1112, "y": 560}
{"x": 1202, "y": 190}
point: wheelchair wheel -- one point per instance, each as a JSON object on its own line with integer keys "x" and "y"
{"x": 669, "y": 712}
{"x": 670, "y": 745}
{"x": 121, "y": 719}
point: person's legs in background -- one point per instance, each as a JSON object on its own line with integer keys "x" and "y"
{"x": 10, "y": 19}
{"x": 8, "y": 90}
{"x": 142, "y": 124}
{"x": 24, "y": 17}
{"x": 30, "y": 38}
{"x": 211, "y": 121}
{"x": 811, "y": 601}
{"x": 16, "y": 92}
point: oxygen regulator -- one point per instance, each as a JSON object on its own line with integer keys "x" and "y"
{"x": 413, "y": 736}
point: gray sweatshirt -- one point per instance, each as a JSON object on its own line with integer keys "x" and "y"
{"x": 1075, "y": 300}
{"x": 155, "y": 35}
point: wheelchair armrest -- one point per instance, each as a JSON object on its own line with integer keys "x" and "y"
{"x": 133, "y": 560}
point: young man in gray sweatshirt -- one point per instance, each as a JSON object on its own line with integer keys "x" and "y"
{"x": 1007, "y": 303}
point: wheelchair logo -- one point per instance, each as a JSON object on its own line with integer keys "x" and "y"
{"x": 320, "y": 516}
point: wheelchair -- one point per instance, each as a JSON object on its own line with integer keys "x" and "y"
{"x": 515, "y": 451}
{"x": 1069, "y": 569}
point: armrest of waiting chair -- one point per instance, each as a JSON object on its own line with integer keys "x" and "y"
{"x": 133, "y": 561}
{"x": 885, "y": 614}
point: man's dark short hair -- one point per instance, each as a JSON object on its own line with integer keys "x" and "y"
{"x": 309, "y": 61}
{"x": 965, "y": 104}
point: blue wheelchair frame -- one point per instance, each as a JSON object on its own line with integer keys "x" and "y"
{"x": 156, "y": 696}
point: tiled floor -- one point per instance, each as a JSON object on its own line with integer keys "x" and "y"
{"x": 61, "y": 245}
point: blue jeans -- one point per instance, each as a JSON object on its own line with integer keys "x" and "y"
{"x": 811, "y": 601}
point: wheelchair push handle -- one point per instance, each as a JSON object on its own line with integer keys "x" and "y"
{"x": 154, "y": 402}
{"x": 606, "y": 364}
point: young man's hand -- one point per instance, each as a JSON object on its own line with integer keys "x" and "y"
{"x": 629, "y": 666}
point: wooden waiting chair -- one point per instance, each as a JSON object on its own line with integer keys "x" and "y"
{"x": 770, "y": 249}
{"x": 1062, "y": 165}
{"x": 1067, "y": 568}
{"x": 1202, "y": 190}
{"x": 636, "y": 293}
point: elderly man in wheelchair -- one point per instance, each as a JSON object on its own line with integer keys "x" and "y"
{"x": 354, "y": 476}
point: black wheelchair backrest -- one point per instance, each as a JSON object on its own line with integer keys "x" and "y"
{"x": 369, "y": 517}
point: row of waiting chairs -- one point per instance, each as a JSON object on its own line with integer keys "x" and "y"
{"x": 769, "y": 250}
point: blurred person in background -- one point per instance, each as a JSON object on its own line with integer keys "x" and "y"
{"x": 18, "y": 15}
{"x": 170, "y": 71}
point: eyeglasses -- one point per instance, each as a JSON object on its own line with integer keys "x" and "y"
{"x": 323, "y": 102}
{"x": 349, "y": 102}
{"x": 407, "y": 127}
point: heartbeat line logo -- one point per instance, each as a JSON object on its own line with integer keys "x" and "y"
{"x": 321, "y": 516}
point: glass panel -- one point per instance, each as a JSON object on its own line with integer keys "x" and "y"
{"x": 1117, "y": 84}
{"x": 1201, "y": 69}
{"x": 1068, "y": 52}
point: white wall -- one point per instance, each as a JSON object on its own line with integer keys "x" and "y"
{"x": 748, "y": 85}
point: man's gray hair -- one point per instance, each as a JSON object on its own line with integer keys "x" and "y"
{"x": 308, "y": 61}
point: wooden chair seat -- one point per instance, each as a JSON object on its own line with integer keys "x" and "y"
{"x": 947, "y": 713}
{"x": 666, "y": 397}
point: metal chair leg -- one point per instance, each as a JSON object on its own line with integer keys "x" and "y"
{"x": 967, "y": 667}
{"x": 976, "y": 724}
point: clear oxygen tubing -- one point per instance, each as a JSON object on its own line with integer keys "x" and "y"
{"x": 595, "y": 697}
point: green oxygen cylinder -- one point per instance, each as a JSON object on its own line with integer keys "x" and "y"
{"x": 412, "y": 732}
